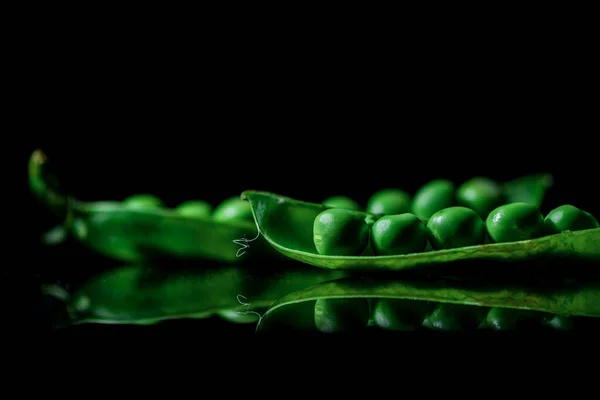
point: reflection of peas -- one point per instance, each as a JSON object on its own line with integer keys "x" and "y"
{"x": 340, "y": 232}
{"x": 455, "y": 227}
{"x": 341, "y": 315}
{"x": 143, "y": 202}
{"x": 400, "y": 315}
{"x": 480, "y": 194}
{"x": 398, "y": 234}
{"x": 389, "y": 201}
{"x": 502, "y": 319}
{"x": 514, "y": 222}
{"x": 233, "y": 208}
{"x": 453, "y": 317}
{"x": 194, "y": 208}
{"x": 569, "y": 218}
{"x": 341, "y": 202}
{"x": 560, "y": 322}
{"x": 432, "y": 197}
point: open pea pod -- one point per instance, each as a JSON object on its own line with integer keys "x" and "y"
{"x": 287, "y": 225}
{"x": 355, "y": 303}
{"x": 143, "y": 295}
{"x": 131, "y": 234}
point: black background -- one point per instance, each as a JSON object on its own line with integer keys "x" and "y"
{"x": 119, "y": 121}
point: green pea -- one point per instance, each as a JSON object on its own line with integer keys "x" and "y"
{"x": 389, "y": 201}
{"x": 480, "y": 194}
{"x": 455, "y": 227}
{"x": 341, "y": 315}
{"x": 398, "y": 234}
{"x": 514, "y": 222}
{"x": 194, "y": 208}
{"x": 569, "y": 218}
{"x": 233, "y": 208}
{"x": 432, "y": 197}
{"x": 341, "y": 202}
{"x": 143, "y": 202}
{"x": 400, "y": 315}
{"x": 340, "y": 232}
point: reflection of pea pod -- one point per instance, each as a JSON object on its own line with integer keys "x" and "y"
{"x": 287, "y": 225}
{"x": 142, "y": 295}
{"x": 141, "y": 227}
{"x": 407, "y": 305}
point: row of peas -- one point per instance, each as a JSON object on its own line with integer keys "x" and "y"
{"x": 432, "y": 217}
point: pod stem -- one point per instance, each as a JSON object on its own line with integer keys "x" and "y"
{"x": 40, "y": 183}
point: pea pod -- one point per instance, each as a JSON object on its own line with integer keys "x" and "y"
{"x": 144, "y": 295}
{"x": 141, "y": 227}
{"x": 442, "y": 305}
{"x": 287, "y": 225}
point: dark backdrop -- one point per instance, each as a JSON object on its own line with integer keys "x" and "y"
{"x": 309, "y": 133}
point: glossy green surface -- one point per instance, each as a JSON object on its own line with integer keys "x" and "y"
{"x": 144, "y": 295}
{"x": 287, "y": 225}
{"x": 398, "y": 234}
{"x": 514, "y": 222}
{"x": 480, "y": 194}
{"x": 432, "y": 197}
{"x": 139, "y": 228}
{"x": 341, "y": 202}
{"x": 389, "y": 201}
{"x": 446, "y": 305}
{"x": 455, "y": 227}
{"x": 569, "y": 218}
{"x": 341, "y": 232}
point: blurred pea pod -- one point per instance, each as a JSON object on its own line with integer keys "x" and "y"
{"x": 142, "y": 227}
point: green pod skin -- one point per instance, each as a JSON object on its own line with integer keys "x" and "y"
{"x": 342, "y": 202}
{"x": 194, "y": 208}
{"x": 400, "y": 315}
{"x": 341, "y": 315}
{"x": 233, "y": 208}
{"x": 482, "y": 195}
{"x": 432, "y": 197}
{"x": 454, "y": 317}
{"x": 455, "y": 227}
{"x": 143, "y": 202}
{"x": 398, "y": 234}
{"x": 514, "y": 222}
{"x": 569, "y": 218}
{"x": 388, "y": 202}
{"x": 340, "y": 232}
